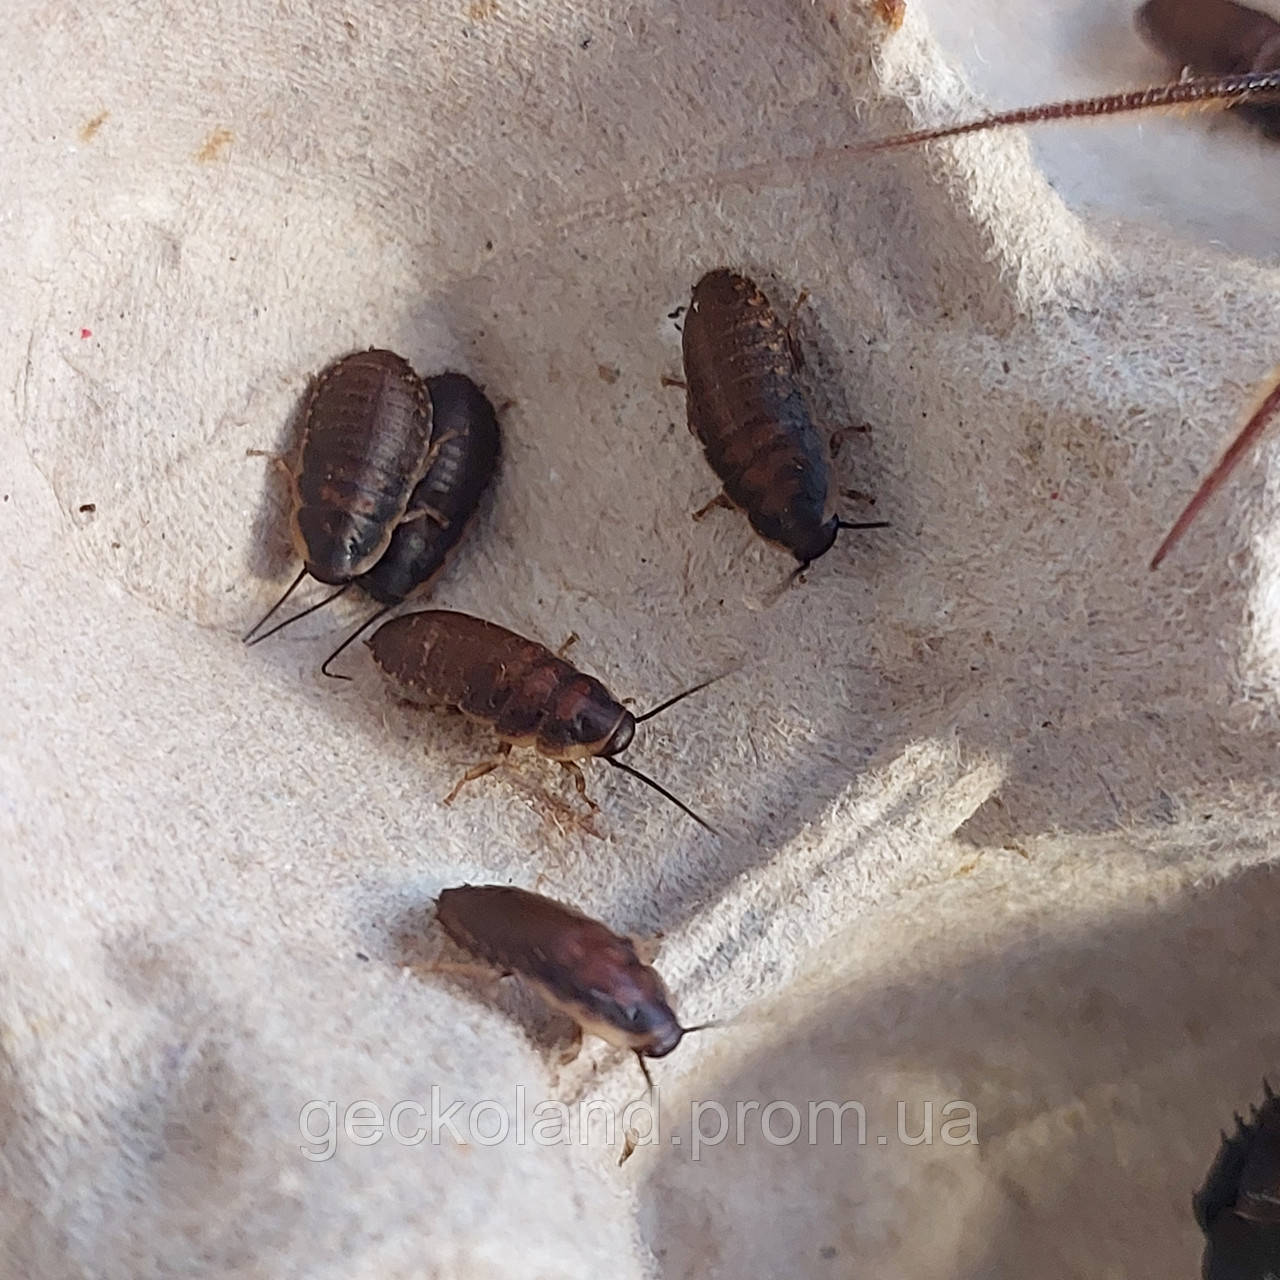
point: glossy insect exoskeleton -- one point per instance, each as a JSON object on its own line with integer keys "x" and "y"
{"x": 1211, "y": 37}
{"x": 464, "y": 456}
{"x": 526, "y": 694}
{"x": 749, "y": 413}
{"x": 578, "y": 965}
{"x": 1238, "y": 1208}
{"x": 465, "y": 446}
{"x": 366, "y": 435}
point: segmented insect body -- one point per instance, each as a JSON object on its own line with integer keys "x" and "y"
{"x": 1238, "y": 1208}
{"x": 1216, "y": 36}
{"x": 365, "y": 443}
{"x": 365, "y": 439}
{"x": 518, "y": 687}
{"x": 527, "y": 695}
{"x": 748, "y": 411}
{"x": 578, "y": 965}
{"x": 464, "y": 456}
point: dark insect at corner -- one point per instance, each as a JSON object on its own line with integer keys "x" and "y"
{"x": 526, "y": 694}
{"x": 577, "y": 965}
{"x": 1238, "y": 1207}
{"x": 749, "y": 413}
{"x": 465, "y": 447}
{"x": 1216, "y": 37}
{"x": 365, "y": 439}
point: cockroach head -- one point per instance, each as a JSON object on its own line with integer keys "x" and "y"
{"x": 620, "y": 736}
{"x": 640, "y": 1010}
{"x": 822, "y": 540}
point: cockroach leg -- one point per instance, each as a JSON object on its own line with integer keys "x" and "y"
{"x": 647, "y": 948}
{"x": 668, "y": 381}
{"x": 841, "y": 434}
{"x": 569, "y": 641}
{"x": 478, "y": 771}
{"x": 793, "y": 344}
{"x": 430, "y": 513}
{"x": 571, "y": 1049}
{"x": 580, "y": 783}
{"x": 721, "y": 500}
{"x": 630, "y": 1141}
{"x": 465, "y": 969}
{"x": 278, "y": 460}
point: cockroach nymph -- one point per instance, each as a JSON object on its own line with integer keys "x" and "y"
{"x": 528, "y": 695}
{"x": 576, "y": 964}
{"x": 1216, "y": 37}
{"x": 750, "y": 414}
{"x": 1238, "y": 1207}
{"x": 465, "y": 447}
{"x": 365, "y": 439}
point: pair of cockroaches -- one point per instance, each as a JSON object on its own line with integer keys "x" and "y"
{"x": 369, "y": 449}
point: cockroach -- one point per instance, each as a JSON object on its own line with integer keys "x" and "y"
{"x": 576, "y": 964}
{"x": 1238, "y": 1207}
{"x": 1214, "y": 37}
{"x": 747, "y": 409}
{"x": 1252, "y": 88}
{"x": 528, "y": 695}
{"x": 465, "y": 445}
{"x": 366, "y": 436}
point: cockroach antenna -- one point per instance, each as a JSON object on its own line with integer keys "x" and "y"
{"x": 359, "y": 631}
{"x": 289, "y": 590}
{"x": 680, "y": 697}
{"x": 302, "y": 613}
{"x": 1266, "y": 404}
{"x": 662, "y": 791}
{"x": 1196, "y": 92}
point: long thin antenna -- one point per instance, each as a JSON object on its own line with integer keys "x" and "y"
{"x": 364, "y": 626}
{"x": 289, "y": 621}
{"x": 1196, "y": 91}
{"x": 862, "y": 524}
{"x": 644, "y": 1070}
{"x": 293, "y": 586}
{"x": 662, "y": 791}
{"x": 1248, "y": 436}
{"x": 671, "y": 702}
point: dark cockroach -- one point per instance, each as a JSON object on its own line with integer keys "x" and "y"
{"x": 749, "y": 413}
{"x": 366, "y": 436}
{"x": 528, "y": 695}
{"x": 1238, "y": 1207}
{"x": 1216, "y": 37}
{"x": 465, "y": 445}
{"x": 577, "y": 965}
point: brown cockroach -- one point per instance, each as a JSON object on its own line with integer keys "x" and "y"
{"x": 748, "y": 411}
{"x": 1216, "y": 37}
{"x": 365, "y": 440}
{"x": 577, "y": 965}
{"x": 528, "y": 695}
{"x": 1211, "y": 91}
{"x": 1238, "y": 1207}
{"x": 465, "y": 446}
